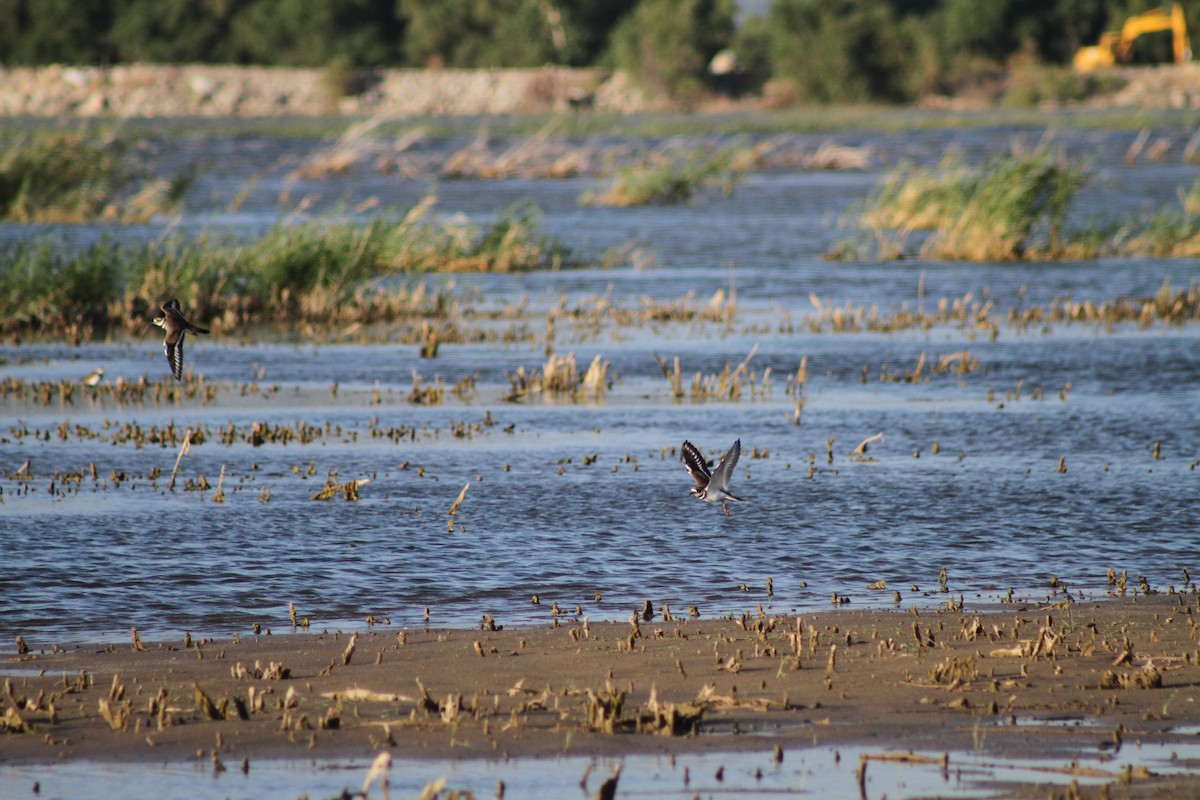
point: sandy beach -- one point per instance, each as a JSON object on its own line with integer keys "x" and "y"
{"x": 894, "y": 680}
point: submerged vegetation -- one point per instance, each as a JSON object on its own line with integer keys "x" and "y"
{"x": 317, "y": 272}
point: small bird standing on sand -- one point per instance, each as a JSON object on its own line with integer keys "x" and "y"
{"x": 173, "y": 322}
{"x": 712, "y": 487}
{"x": 94, "y": 377}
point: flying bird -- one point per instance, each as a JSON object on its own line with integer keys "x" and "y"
{"x": 173, "y": 322}
{"x": 712, "y": 487}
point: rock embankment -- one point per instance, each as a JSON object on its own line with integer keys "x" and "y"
{"x": 206, "y": 90}
{"x": 1163, "y": 86}
{"x": 143, "y": 90}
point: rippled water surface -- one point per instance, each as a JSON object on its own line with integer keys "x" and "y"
{"x": 582, "y": 500}
{"x": 812, "y": 772}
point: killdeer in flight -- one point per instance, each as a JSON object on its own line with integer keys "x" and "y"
{"x": 712, "y": 487}
{"x": 173, "y": 322}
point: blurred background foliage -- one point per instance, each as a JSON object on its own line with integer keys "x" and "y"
{"x": 815, "y": 51}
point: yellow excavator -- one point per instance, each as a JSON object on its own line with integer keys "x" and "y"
{"x": 1117, "y": 46}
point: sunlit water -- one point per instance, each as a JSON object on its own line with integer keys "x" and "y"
{"x": 575, "y": 501}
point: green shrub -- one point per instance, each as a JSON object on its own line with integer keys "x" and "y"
{"x": 667, "y": 44}
{"x": 845, "y": 51}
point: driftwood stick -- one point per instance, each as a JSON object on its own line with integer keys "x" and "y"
{"x": 183, "y": 450}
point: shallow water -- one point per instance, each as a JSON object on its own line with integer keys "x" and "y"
{"x": 990, "y": 506}
{"x": 818, "y": 771}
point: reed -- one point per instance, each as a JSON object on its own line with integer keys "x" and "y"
{"x": 559, "y": 377}
{"x": 42, "y": 287}
{"x": 1016, "y": 209}
{"x": 728, "y": 384}
{"x": 667, "y": 181}
{"x": 1010, "y": 209}
{"x": 320, "y": 272}
{"x": 919, "y": 198}
{"x": 427, "y": 394}
{"x": 59, "y": 177}
{"x": 73, "y": 177}
{"x": 560, "y": 374}
{"x": 1170, "y": 232}
{"x": 595, "y": 380}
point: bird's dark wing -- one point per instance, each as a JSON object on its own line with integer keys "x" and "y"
{"x": 724, "y": 470}
{"x": 696, "y": 466}
{"x": 174, "y": 350}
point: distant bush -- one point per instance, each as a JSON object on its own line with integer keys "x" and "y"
{"x": 309, "y": 33}
{"x": 895, "y": 50}
{"x": 312, "y": 33}
{"x": 55, "y": 31}
{"x": 508, "y": 33}
{"x": 667, "y": 44}
{"x": 824, "y": 51}
{"x": 752, "y": 44}
{"x": 844, "y": 51}
{"x": 464, "y": 33}
{"x": 156, "y": 31}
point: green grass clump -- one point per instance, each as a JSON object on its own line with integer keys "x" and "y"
{"x": 512, "y": 243}
{"x": 1169, "y": 232}
{"x": 324, "y": 272}
{"x": 310, "y": 274}
{"x": 44, "y": 287}
{"x": 667, "y": 182}
{"x": 59, "y": 177}
{"x": 919, "y": 198}
{"x": 74, "y": 177}
{"x": 1009, "y": 209}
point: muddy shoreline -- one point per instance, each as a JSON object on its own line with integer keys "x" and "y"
{"x": 1128, "y": 669}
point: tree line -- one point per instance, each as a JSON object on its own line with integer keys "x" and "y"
{"x": 819, "y": 50}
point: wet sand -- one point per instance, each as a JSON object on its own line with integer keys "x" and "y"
{"x": 1126, "y": 670}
